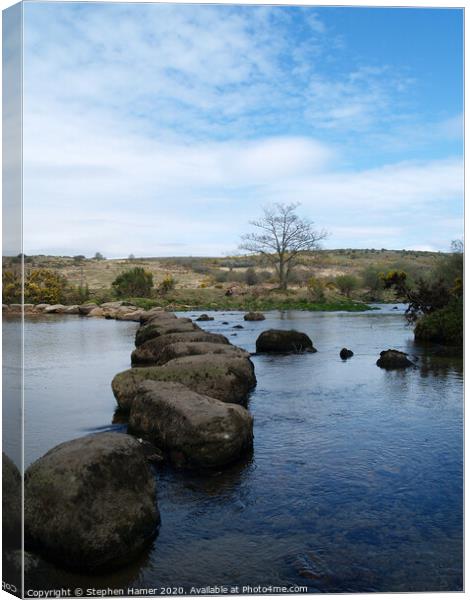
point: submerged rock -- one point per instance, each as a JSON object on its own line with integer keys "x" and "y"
{"x": 226, "y": 378}
{"x": 150, "y": 352}
{"x": 393, "y": 359}
{"x": 254, "y": 316}
{"x": 345, "y": 353}
{"x": 280, "y": 341}
{"x": 156, "y": 328}
{"x": 11, "y": 503}
{"x": 194, "y": 430}
{"x": 91, "y": 503}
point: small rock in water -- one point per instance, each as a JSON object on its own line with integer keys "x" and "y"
{"x": 254, "y": 316}
{"x": 284, "y": 342}
{"x": 345, "y": 353}
{"x": 393, "y": 359}
{"x": 205, "y": 317}
{"x": 238, "y": 327}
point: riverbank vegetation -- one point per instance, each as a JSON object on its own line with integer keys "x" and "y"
{"x": 435, "y": 303}
{"x": 345, "y": 279}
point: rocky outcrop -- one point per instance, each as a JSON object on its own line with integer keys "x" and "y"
{"x": 90, "y": 504}
{"x": 85, "y": 309}
{"x": 163, "y": 326}
{"x": 345, "y": 353}
{"x": 125, "y": 315}
{"x": 55, "y": 309}
{"x": 194, "y": 430}
{"x": 150, "y": 352}
{"x": 96, "y": 312}
{"x": 285, "y": 342}
{"x": 74, "y": 309}
{"x": 11, "y": 503}
{"x": 227, "y": 378}
{"x": 393, "y": 359}
{"x": 254, "y": 316}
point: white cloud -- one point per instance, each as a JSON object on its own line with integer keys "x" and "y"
{"x": 166, "y": 130}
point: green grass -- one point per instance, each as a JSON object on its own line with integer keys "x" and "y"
{"x": 207, "y": 300}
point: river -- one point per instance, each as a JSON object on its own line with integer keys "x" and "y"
{"x": 356, "y": 478}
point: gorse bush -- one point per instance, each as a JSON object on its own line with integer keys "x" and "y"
{"x": 134, "y": 282}
{"x": 316, "y": 289}
{"x": 11, "y": 287}
{"x": 44, "y": 286}
{"x": 434, "y": 304}
{"x": 167, "y": 284}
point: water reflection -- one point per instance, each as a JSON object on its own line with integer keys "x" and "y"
{"x": 355, "y": 481}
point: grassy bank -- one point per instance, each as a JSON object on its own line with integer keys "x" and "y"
{"x": 213, "y": 299}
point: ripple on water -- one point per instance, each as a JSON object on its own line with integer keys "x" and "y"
{"x": 355, "y": 482}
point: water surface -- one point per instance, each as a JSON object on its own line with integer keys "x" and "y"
{"x": 355, "y": 481}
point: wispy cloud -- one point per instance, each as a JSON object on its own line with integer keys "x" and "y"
{"x": 164, "y": 128}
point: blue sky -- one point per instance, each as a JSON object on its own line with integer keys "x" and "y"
{"x": 164, "y": 129}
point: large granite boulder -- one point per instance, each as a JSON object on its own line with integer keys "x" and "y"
{"x": 192, "y": 429}
{"x": 158, "y": 327}
{"x": 181, "y": 349}
{"x": 11, "y": 503}
{"x": 393, "y": 359}
{"x": 227, "y": 378}
{"x": 133, "y": 315}
{"x": 157, "y": 312}
{"x": 254, "y": 316}
{"x": 150, "y": 352}
{"x": 280, "y": 341}
{"x": 90, "y": 504}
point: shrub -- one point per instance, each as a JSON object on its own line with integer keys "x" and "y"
{"x": 346, "y": 284}
{"x": 76, "y": 294}
{"x": 43, "y": 285}
{"x": 134, "y": 282}
{"x": 372, "y": 280}
{"x": 316, "y": 289}
{"x": 444, "y": 326}
{"x": 251, "y": 278}
{"x": 11, "y": 287}
{"x": 166, "y": 285}
{"x": 220, "y": 276}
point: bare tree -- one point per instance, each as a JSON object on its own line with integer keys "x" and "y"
{"x": 283, "y": 238}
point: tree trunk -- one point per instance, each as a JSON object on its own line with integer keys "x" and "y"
{"x": 282, "y": 274}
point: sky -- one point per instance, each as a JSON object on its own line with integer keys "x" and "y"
{"x": 163, "y": 130}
